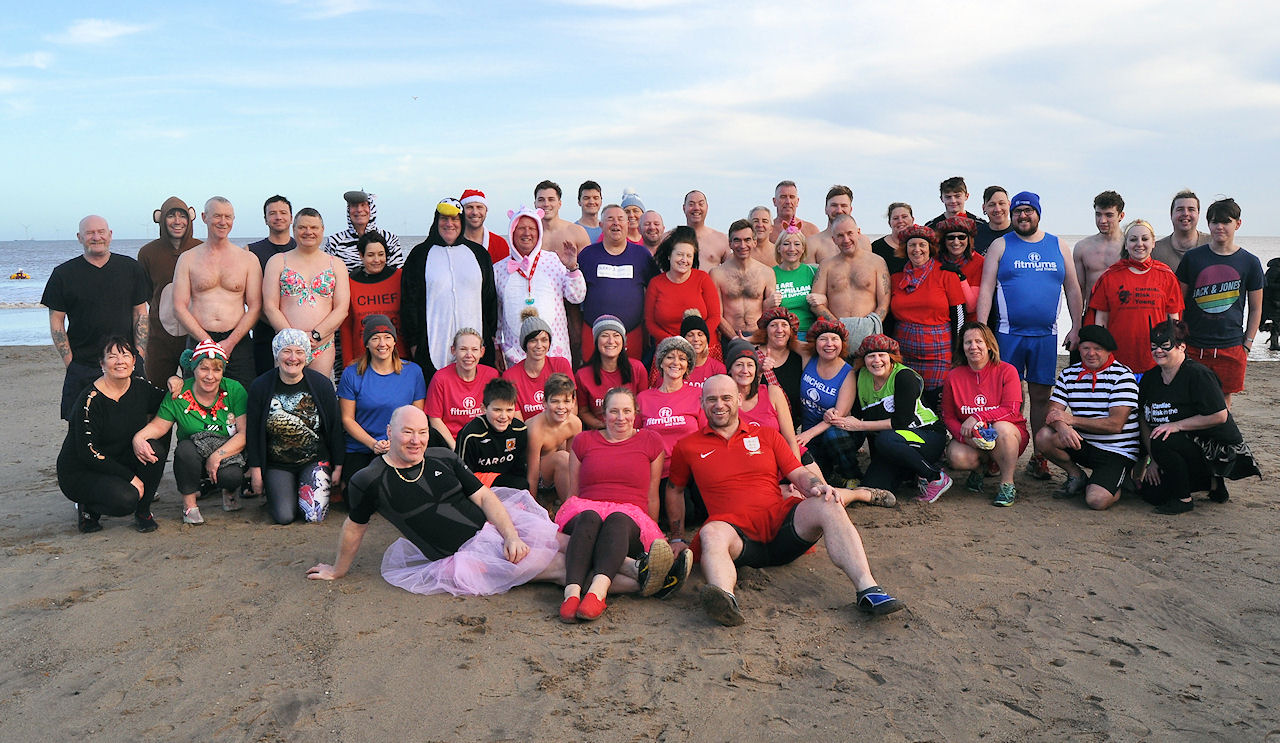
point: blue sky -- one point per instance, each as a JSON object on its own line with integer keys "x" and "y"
{"x": 111, "y": 108}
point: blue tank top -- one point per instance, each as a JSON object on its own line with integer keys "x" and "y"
{"x": 818, "y": 394}
{"x": 1029, "y": 285}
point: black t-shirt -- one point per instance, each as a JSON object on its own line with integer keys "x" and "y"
{"x": 1195, "y": 390}
{"x": 435, "y": 512}
{"x": 882, "y": 248}
{"x": 293, "y": 426}
{"x": 264, "y": 249}
{"x": 788, "y": 376}
{"x": 99, "y": 302}
{"x": 987, "y": 235}
{"x": 483, "y": 449}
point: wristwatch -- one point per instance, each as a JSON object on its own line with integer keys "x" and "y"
{"x": 315, "y": 336}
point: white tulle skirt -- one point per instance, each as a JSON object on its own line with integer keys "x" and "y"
{"x": 478, "y": 568}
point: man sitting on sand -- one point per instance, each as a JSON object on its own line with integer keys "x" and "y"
{"x": 750, "y": 523}
{"x": 459, "y": 536}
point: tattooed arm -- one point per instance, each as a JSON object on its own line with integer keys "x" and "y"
{"x": 141, "y": 329}
{"x": 58, "y": 331}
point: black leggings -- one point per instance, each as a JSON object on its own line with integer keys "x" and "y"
{"x": 109, "y": 495}
{"x": 599, "y": 546}
{"x": 188, "y": 470}
{"x": 1183, "y": 469}
{"x": 892, "y": 454}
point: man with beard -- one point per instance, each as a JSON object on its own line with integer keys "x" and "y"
{"x": 1024, "y": 274}
{"x": 475, "y": 210}
{"x": 165, "y": 338}
{"x": 362, "y": 215}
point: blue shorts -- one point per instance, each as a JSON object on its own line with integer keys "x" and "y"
{"x": 1034, "y": 356}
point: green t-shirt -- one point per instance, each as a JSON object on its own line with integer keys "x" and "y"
{"x": 191, "y": 417}
{"x": 795, "y": 287}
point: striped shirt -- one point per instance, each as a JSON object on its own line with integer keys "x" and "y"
{"x": 1115, "y": 387}
{"x": 342, "y": 245}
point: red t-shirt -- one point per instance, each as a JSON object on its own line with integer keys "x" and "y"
{"x": 616, "y": 472}
{"x": 592, "y": 394}
{"x": 1135, "y": 302}
{"x": 665, "y": 303}
{"x": 454, "y": 401}
{"x": 991, "y": 394}
{"x": 931, "y": 302}
{"x": 738, "y": 477}
{"x": 528, "y": 389}
{"x": 672, "y": 415}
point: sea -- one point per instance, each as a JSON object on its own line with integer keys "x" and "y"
{"x": 25, "y": 322}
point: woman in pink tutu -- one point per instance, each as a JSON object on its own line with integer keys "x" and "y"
{"x": 612, "y": 514}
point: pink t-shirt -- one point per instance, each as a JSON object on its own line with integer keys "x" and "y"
{"x": 592, "y": 394}
{"x": 672, "y": 415}
{"x": 700, "y": 374}
{"x": 529, "y": 390}
{"x": 616, "y": 472}
{"x": 454, "y": 401}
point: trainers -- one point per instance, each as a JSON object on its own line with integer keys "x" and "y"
{"x": 653, "y": 566}
{"x": 876, "y": 600}
{"x": 931, "y": 491}
{"x": 721, "y": 606}
{"x": 1038, "y": 467}
{"x": 679, "y": 574}
{"x": 973, "y": 483}
{"x": 1008, "y": 493}
{"x": 881, "y": 497}
{"x": 145, "y": 524}
{"x": 86, "y": 523}
{"x": 192, "y": 516}
{"x": 230, "y": 501}
{"x": 1072, "y": 488}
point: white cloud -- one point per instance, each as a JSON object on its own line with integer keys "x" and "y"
{"x": 332, "y": 8}
{"x": 88, "y": 31}
{"x": 38, "y": 60}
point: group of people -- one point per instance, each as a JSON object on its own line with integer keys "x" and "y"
{"x": 579, "y": 367}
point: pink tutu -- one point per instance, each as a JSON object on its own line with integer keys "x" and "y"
{"x": 478, "y": 568}
{"x": 649, "y": 530}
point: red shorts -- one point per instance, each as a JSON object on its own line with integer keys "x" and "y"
{"x": 1228, "y": 363}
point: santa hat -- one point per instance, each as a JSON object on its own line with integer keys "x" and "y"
{"x": 473, "y": 196}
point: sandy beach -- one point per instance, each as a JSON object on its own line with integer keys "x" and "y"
{"x": 1044, "y": 621}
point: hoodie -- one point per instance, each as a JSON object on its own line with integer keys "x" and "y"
{"x": 342, "y": 245}
{"x": 158, "y": 258}
{"x": 538, "y": 280}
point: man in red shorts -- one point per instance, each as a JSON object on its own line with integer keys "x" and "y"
{"x": 750, "y": 523}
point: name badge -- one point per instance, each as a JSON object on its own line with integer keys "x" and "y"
{"x": 605, "y": 271}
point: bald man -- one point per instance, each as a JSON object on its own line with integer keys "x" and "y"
{"x": 852, "y": 287}
{"x": 839, "y": 201}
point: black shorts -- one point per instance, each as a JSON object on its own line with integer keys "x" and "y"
{"x": 784, "y": 548}
{"x": 1107, "y": 469}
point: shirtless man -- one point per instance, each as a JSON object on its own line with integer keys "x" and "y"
{"x": 1095, "y": 254}
{"x": 839, "y": 201}
{"x": 1184, "y": 212}
{"x": 852, "y": 287}
{"x": 652, "y": 230}
{"x": 551, "y": 433}
{"x": 557, "y": 235}
{"x": 745, "y": 284}
{"x": 217, "y": 291}
{"x": 786, "y": 199}
{"x": 762, "y": 225}
{"x": 713, "y": 245}
{"x": 995, "y": 204}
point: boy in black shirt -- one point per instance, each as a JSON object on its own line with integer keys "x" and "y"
{"x": 495, "y": 445}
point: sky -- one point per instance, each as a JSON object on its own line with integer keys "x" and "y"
{"x": 111, "y": 108}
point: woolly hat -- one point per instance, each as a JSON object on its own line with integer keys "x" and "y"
{"x": 1098, "y": 334}
{"x": 289, "y": 337}
{"x": 515, "y": 216}
{"x": 739, "y": 348}
{"x": 693, "y": 321}
{"x": 877, "y": 343}
{"x": 374, "y": 324}
{"x": 205, "y": 349}
{"x": 473, "y": 196}
{"x": 1025, "y": 198}
{"x": 675, "y": 343}
{"x": 779, "y": 313}
{"x": 920, "y": 231}
{"x": 631, "y": 198}
{"x": 531, "y": 325}
{"x": 608, "y": 322}
{"x": 823, "y": 325}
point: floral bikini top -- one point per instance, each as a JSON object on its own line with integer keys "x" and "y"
{"x": 292, "y": 284}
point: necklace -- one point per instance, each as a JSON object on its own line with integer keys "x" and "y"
{"x": 421, "y": 468}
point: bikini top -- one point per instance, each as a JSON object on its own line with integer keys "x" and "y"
{"x": 293, "y": 284}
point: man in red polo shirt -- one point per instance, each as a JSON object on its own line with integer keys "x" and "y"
{"x": 750, "y": 523}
